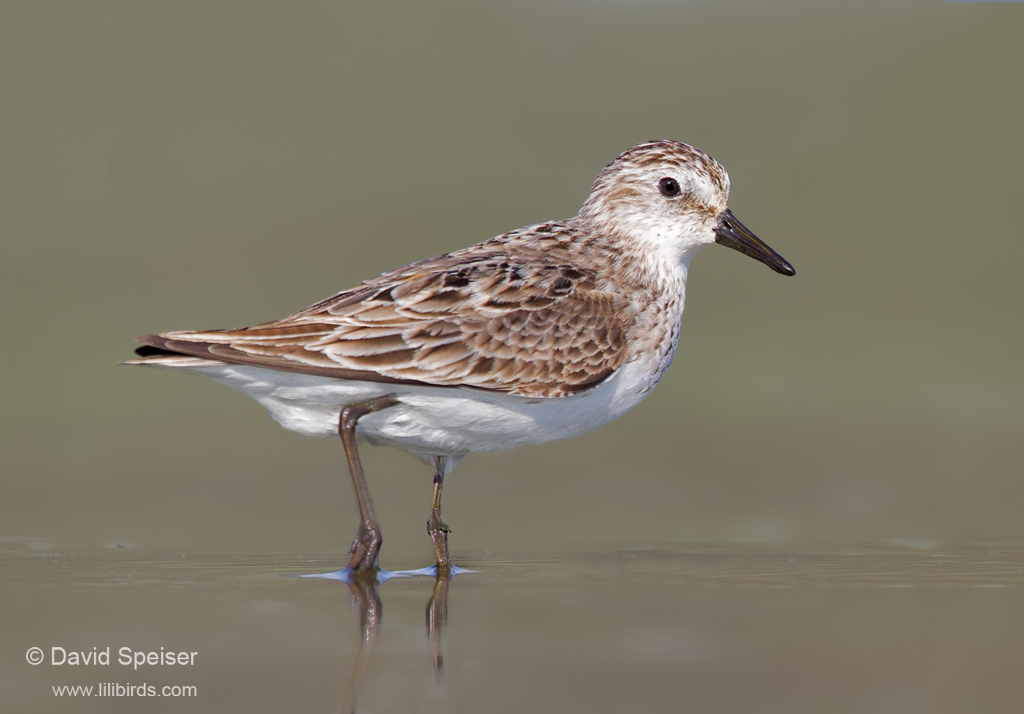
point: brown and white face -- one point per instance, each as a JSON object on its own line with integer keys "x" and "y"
{"x": 674, "y": 198}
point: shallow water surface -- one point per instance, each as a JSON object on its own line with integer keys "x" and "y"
{"x": 894, "y": 626}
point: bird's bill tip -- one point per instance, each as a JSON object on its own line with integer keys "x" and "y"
{"x": 733, "y": 234}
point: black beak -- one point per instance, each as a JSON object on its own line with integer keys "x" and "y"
{"x": 733, "y": 234}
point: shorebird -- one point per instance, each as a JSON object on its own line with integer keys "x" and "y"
{"x": 541, "y": 333}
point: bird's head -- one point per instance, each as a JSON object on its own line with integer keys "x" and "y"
{"x": 674, "y": 198}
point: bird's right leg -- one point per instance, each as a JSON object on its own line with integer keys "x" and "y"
{"x": 438, "y": 529}
{"x": 366, "y": 546}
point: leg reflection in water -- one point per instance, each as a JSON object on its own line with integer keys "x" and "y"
{"x": 437, "y": 617}
{"x": 366, "y": 602}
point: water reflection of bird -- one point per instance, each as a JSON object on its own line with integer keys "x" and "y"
{"x": 365, "y": 590}
{"x": 366, "y": 602}
{"x": 542, "y": 333}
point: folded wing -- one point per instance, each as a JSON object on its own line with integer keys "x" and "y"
{"x": 482, "y": 320}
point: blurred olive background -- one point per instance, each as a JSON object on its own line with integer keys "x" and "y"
{"x": 192, "y": 165}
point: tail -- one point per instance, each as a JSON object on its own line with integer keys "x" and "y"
{"x": 154, "y": 352}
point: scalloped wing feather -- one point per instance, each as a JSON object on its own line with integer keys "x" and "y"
{"x": 479, "y": 318}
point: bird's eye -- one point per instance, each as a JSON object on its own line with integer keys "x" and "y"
{"x": 669, "y": 187}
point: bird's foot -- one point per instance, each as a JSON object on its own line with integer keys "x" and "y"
{"x": 365, "y": 548}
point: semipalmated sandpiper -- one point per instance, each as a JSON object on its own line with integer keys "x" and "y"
{"x": 542, "y": 333}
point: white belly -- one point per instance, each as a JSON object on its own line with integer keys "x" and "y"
{"x": 432, "y": 420}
